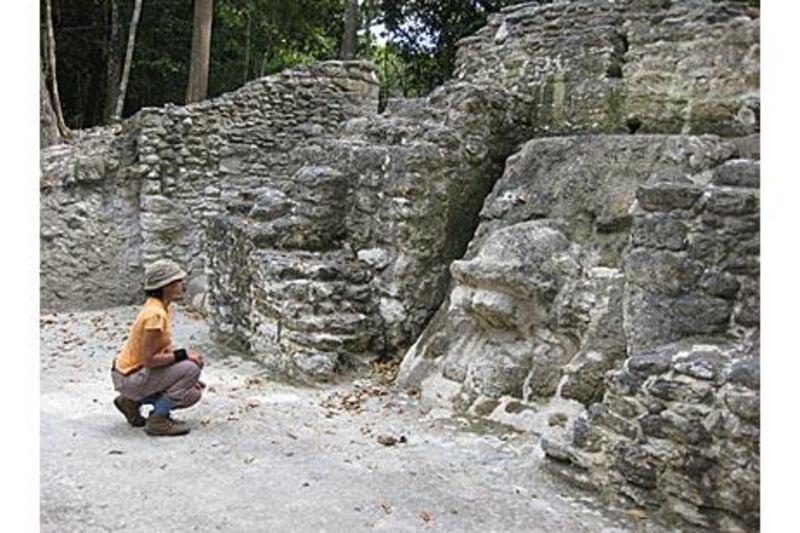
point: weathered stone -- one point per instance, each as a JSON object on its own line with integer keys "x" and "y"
{"x": 656, "y": 426}
{"x": 650, "y": 363}
{"x": 734, "y": 202}
{"x": 744, "y": 403}
{"x": 749, "y": 311}
{"x": 720, "y": 101}
{"x": 720, "y": 284}
{"x": 557, "y": 419}
{"x": 585, "y": 379}
{"x": 527, "y": 259}
{"x": 657, "y": 230}
{"x": 746, "y": 373}
{"x": 500, "y": 372}
{"x": 679, "y": 389}
{"x": 656, "y": 319}
{"x": 601, "y": 416}
{"x": 667, "y": 196}
{"x": 738, "y": 173}
{"x": 637, "y": 465}
{"x": 700, "y": 364}
{"x": 585, "y": 435}
{"x": 545, "y": 372}
{"x": 662, "y": 271}
{"x": 623, "y": 382}
{"x": 624, "y": 406}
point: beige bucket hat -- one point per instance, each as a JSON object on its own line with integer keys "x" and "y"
{"x": 160, "y": 273}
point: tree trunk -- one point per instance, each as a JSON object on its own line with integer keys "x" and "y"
{"x": 51, "y": 60}
{"x": 126, "y": 71}
{"x": 48, "y": 128}
{"x": 349, "y": 35}
{"x": 201, "y": 51}
{"x": 247, "y": 51}
{"x": 112, "y": 62}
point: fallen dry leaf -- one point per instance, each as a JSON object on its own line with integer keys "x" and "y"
{"x": 639, "y": 514}
{"x": 390, "y": 440}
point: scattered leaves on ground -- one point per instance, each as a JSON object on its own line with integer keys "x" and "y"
{"x": 352, "y": 401}
{"x": 386, "y": 371}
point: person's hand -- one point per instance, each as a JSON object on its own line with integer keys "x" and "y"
{"x": 197, "y": 357}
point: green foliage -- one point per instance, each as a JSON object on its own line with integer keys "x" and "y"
{"x": 253, "y": 38}
{"x": 426, "y": 32}
{"x": 80, "y": 34}
{"x": 392, "y": 72}
{"x": 250, "y": 39}
{"x": 282, "y": 33}
{"x": 160, "y": 67}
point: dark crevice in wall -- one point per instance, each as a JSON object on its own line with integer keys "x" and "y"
{"x": 617, "y": 59}
{"x": 633, "y": 124}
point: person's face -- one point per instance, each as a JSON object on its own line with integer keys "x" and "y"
{"x": 174, "y": 291}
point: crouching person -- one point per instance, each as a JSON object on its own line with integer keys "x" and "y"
{"x": 149, "y": 369}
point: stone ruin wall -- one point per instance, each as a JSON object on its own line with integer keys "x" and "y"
{"x": 578, "y": 258}
{"x": 621, "y": 315}
{"x": 597, "y": 255}
{"x": 90, "y": 240}
{"x": 125, "y": 195}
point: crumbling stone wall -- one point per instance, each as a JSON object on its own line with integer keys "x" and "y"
{"x": 409, "y": 183}
{"x": 678, "y": 426}
{"x": 89, "y": 222}
{"x": 119, "y": 197}
{"x": 213, "y": 158}
{"x": 597, "y": 254}
{"x": 351, "y": 252}
{"x": 626, "y": 66}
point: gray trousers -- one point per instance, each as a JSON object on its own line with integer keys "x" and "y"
{"x": 178, "y": 381}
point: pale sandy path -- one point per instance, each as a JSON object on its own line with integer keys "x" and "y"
{"x": 265, "y": 456}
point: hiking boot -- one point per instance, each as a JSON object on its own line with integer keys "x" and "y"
{"x": 130, "y": 408}
{"x": 158, "y": 425}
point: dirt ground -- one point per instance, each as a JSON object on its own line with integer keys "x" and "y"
{"x": 266, "y": 456}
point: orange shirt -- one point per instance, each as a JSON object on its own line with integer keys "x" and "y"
{"x": 152, "y": 316}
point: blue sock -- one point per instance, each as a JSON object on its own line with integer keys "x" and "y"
{"x": 161, "y": 406}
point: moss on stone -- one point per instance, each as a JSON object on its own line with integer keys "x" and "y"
{"x": 615, "y": 109}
